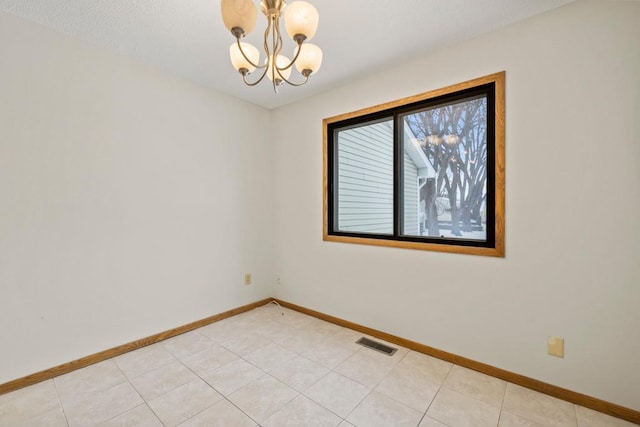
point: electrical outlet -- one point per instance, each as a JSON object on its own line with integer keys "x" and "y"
{"x": 278, "y": 282}
{"x": 247, "y": 278}
{"x": 555, "y": 346}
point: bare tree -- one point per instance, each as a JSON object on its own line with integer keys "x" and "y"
{"x": 455, "y": 143}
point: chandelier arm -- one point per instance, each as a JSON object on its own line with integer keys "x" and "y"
{"x": 279, "y": 70}
{"x": 246, "y": 57}
{"x": 264, "y": 73}
{"x": 266, "y": 39}
{"x": 295, "y": 58}
{"x": 306, "y": 79}
{"x": 299, "y": 39}
{"x": 276, "y": 40}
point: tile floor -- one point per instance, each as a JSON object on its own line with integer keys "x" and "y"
{"x": 268, "y": 369}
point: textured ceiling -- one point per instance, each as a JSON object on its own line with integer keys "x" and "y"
{"x": 188, "y": 38}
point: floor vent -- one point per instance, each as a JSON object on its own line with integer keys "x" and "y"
{"x": 373, "y": 345}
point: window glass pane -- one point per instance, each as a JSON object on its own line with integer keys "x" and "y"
{"x": 365, "y": 178}
{"x": 445, "y": 171}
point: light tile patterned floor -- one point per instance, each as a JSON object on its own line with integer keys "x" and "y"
{"x": 268, "y": 369}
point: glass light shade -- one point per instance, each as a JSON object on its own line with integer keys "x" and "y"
{"x": 301, "y": 17}
{"x": 433, "y": 139}
{"x": 310, "y": 58}
{"x": 451, "y": 139}
{"x": 239, "y": 13}
{"x": 239, "y": 61}
{"x": 281, "y": 61}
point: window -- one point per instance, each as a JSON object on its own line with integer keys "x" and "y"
{"x": 425, "y": 172}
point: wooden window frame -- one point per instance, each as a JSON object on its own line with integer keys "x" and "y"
{"x": 495, "y": 246}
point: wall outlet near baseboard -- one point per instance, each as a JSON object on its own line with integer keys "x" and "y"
{"x": 247, "y": 278}
{"x": 555, "y": 346}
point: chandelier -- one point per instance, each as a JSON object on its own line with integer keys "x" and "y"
{"x": 301, "y": 23}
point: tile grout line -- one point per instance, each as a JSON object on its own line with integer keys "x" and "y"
{"x": 333, "y": 370}
{"x": 385, "y": 395}
{"x": 257, "y": 367}
{"x": 239, "y": 357}
{"x": 438, "y": 392}
{"x": 358, "y": 382}
{"x": 504, "y": 395}
{"x": 301, "y": 393}
{"x": 472, "y": 397}
{"x": 95, "y": 392}
{"x": 223, "y": 396}
{"x": 136, "y": 390}
{"x": 203, "y": 380}
{"x": 431, "y": 403}
{"x": 64, "y": 413}
{"x": 235, "y": 391}
{"x": 361, "y": 400}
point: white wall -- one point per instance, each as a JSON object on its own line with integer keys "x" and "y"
{"x": 131, "y": 201}
{"x": 572, "y": 236}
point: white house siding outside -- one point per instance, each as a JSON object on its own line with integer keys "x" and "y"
{"x": 365, "y": 181}
{"x": 411, "y": 197}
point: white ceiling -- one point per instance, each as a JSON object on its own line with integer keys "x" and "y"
{"x": 188, "y": 38}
